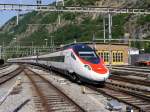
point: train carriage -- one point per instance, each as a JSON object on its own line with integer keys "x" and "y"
{"x": 79, "y": 61}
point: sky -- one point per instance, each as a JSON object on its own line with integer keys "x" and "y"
{"x": 6, "y": 15}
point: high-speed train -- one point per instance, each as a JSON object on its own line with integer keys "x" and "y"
{"x": 78, "y": 61}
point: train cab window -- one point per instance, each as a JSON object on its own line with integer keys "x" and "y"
{"x": 90, "y": 56}
{"x": 87, "y": 54}
{"x": 72, "y": 55}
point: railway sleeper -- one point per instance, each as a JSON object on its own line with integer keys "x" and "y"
{"x": 63, "y": 107}
{"x": 128, "y": 87}
{"x": 61, "y": 104}
{"x": 58, "y": 103}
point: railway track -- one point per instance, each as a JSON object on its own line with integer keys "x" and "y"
{"x": 139, "y": 98}
{"x": 131, "y": 80}
{"x": 49, "y": 98}
{"x": 133, "y": 69}
{"x": 131, "y": 97}
{"x": 6, "y": 77}
{"x": 130, "y": 89}
{"x": 126, "y": 72}
{"x": 4, "y": 66}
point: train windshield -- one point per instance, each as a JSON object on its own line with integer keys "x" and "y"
{"x": 87, "y": 53}
{"x": 89, "y": 56}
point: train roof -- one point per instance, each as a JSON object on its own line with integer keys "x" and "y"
{"x": 74, "y": 45}
{"x": 78, "y": 46}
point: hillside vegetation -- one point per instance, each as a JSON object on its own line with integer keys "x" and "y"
{"x": 35, "y": 27}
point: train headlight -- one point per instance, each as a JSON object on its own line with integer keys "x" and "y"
{"x": 88, "y": 67}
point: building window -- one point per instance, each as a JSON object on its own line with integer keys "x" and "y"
{"x": 104, "y": 55}
{"x": 117, "y": 56}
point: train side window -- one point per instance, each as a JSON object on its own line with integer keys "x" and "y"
{"x": 72, "y": 55}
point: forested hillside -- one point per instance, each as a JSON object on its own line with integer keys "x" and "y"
{"x": 34, "y": 27}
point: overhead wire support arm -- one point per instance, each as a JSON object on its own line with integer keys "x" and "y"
{"x": 52, "y": 8}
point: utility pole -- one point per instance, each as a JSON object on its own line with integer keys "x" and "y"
{"x": 14, "y": 45}
{"x": 59, "y": 15}
{"x": 59, "y": 18}
{"x": 52, "y": 45}
{"x": 38, "y": 2}
{"x": 3, "y": 50}
{"x": 94, "y": 47}
{"x": 58, "y": 1}
{"x": 32, "y": 49}
{"x": 110, "y": 37}
{"x": 17, "y": 18}
{"x": 104, "y": 29}
{"x": 0, "y": 52}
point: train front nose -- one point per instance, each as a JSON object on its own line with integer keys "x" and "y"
{"x": 99, "y": 77}
{"x": 96, "y": 72}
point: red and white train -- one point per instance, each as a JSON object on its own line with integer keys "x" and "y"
{"x": 79, "y": 61}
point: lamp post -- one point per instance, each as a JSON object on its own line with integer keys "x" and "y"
{"x": 32, "y": 49}
{"x": 52, "y": 44}
{"x": 46, "y": 42}
{"x": 14, "y": 45}
{"x": 3, "y": 50}
{"x": 15, "y": 41}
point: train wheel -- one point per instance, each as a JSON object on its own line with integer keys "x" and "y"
{"x": 102, "y": 84}
{"x": 78, "y": 80}
{"x": 75, "y": 78}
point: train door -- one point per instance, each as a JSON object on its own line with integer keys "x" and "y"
{"x": 68, "y": 62}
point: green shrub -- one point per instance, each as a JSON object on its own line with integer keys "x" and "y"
{"x": 49, "y": 18}
{"x": 23, "y": 23}
{"x": 69, "y": 16}
{"x": 143, "y": 19}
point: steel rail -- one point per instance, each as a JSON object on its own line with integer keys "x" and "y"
{"x": 8, "y": 76}
{"x": 131, "y": 80}
{"x": 133, "y": 69}
{"x": 135, "y": 99}
{"x": 125, "y": 97}
{"x": 141, "y": 93}
{"x": 49, "y": 97}
{"x": 4, "y": 66}
{"x": 132, "y": 73}
{"x": 132, "y": 66}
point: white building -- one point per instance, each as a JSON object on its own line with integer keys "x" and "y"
{"x": 133, "y": 51}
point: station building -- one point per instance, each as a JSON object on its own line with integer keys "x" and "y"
{"x": 119, "y": 52}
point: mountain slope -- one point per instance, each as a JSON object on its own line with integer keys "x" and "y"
{"x": 35, "y": 27}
